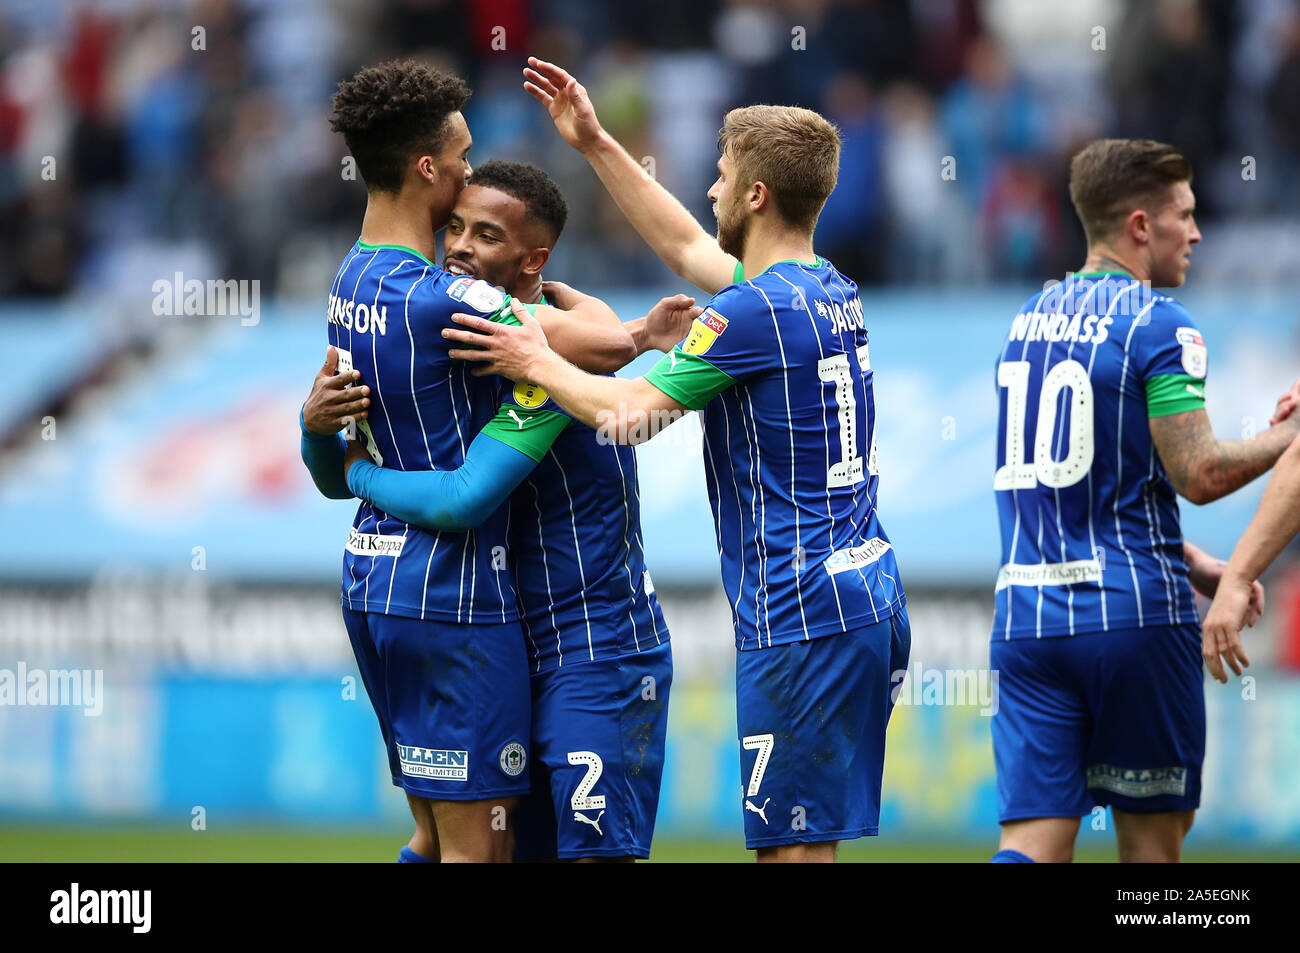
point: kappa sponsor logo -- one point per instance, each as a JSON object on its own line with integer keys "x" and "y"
{"x": 704, "y": 332}
{"x": 845, "y": 560}
{"x": 374, "y": 544}
{"x": 1138, "y": 782}
{"x": 1049, "y": 574}
{"x": 440, "y": 763}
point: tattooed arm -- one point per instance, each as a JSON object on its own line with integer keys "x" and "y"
{"x": 1204, "y": 469}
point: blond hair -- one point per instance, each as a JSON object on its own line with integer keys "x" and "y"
{"x": 795, "y": 152}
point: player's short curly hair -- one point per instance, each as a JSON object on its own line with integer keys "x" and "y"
{"x": 530, "y": 185}
{"x": 1111, "y": 177}
{"x": 392, "y": 111}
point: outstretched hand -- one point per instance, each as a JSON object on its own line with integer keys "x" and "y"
{"x": 566, "y": 100}
{"x": 513, "y": 352}
{"x": 669, "y": 321}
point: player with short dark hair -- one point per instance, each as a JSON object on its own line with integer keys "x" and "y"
{"x": 543, "y": 203}
{"x": 778, "y": 364}
{"x": 1102, "y": 421}
{"x": 597, "y": 644}
{"x": 431, "y": 616}
{"x": 392, "y": 111}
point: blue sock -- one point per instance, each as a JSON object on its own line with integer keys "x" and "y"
{"x": 408, "y": 856}
{"x": 1005, "y": 856}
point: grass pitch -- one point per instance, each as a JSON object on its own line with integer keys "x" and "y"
{"x": 36, "y": 843}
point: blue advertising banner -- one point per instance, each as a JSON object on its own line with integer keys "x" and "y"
{"x": 308, "y": 750}
{"x": 203, "y": 450}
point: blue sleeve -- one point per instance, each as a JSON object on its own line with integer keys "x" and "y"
{"x": 734, "y": 334}
{"x": 1168, "y": 342}
{"x": 445, "y": 500}
{"x": 323, "y": 454}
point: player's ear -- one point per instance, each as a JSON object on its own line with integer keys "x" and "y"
{"x": 759, "y": 196}
{"x": 426, "y": 168}
{"x": 1138, "y": 226}
{"x": 535, "y": 261}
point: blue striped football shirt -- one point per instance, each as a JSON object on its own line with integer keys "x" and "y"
{"x": 779, "y": 366}
{"x": 387, "y": 309}
{"x": 1089, "y": 519}
{"x": 575, "y": 543}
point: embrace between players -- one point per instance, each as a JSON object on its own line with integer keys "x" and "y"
{"x": 494, "y": 585}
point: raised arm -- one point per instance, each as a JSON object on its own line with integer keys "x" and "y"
{"x": 1204, "y": 469}
{"x": 661, "y": 220}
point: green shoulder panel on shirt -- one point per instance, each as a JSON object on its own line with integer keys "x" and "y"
{"x": 531, "y": 431}
{"x": 1174, "y": 394}
{"x": 506, "y": 316}
{"x": 503, "y": 316}
{"x": 688, "y": 378}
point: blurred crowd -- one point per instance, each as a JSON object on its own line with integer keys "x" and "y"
{"x": 137, "y": 136}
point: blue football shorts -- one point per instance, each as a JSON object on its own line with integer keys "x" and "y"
{"x": 1102, "y": 718}
{"x": 452, "y": 701}
{"x": 812, "y": 717}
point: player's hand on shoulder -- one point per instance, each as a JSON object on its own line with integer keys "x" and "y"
{"x": 566, "y": 100}
{"x": 336, "y": 399}
{"x": 499, "y": 348}
{"x": 560, "y": 295}
{"x": 669, "y": 321}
